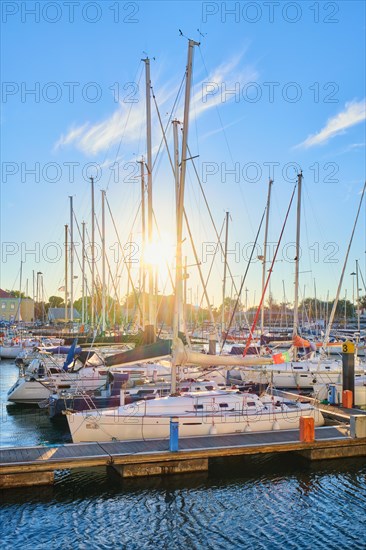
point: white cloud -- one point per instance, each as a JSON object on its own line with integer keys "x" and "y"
{"x": 128, "y": 120}
{"x": 354, "y": 113}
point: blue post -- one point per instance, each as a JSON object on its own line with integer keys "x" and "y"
{"x": 173, "y": 440}
{"x": 332, "y": 395}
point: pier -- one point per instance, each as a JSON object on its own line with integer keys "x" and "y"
{"x": 25, "y": 466}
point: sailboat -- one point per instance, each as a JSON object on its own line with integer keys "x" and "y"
{"x": 199, "y": 413}
{"x": 312, "y": 369}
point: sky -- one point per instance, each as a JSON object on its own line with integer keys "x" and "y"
{"x": 277, "y": 87}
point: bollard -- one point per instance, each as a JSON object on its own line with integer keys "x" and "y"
{"x": 348, "y": 368}
{"x": 307, "y": 429}
{"x": 347, "y": 399}
{"x": 173, "y": 440}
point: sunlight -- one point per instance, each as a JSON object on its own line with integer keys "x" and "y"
{"x": 160, "y": 253}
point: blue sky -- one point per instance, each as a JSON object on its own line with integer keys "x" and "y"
{"x": 276, "y": 85}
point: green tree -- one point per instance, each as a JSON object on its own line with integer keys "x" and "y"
{"x": 55, "y": 301}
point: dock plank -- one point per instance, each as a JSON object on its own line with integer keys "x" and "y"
{"x": 42, "y": 458}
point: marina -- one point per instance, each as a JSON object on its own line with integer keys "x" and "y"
{"x": 183, "y": 282}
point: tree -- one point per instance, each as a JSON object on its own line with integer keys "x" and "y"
{"x": 55, "y": 301}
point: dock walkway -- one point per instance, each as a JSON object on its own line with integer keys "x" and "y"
{"x": 36, "y": 465}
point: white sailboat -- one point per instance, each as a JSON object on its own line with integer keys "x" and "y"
{"x": 201, "y": 413}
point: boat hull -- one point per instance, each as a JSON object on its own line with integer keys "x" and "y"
{"x": 110, "y": 426}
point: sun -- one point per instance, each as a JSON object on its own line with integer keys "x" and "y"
{"x": 160, "y": 254}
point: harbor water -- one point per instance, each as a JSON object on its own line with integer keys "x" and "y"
{"x": 258, "y": 503}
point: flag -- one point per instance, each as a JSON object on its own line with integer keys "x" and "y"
{"x": 70, "y": 355}
{"x": 279, "y": 358}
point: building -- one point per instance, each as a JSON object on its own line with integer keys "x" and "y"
{"x": 9, "y": 308}
{"x": 57, "y": 315}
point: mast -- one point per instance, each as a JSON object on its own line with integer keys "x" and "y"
{"x": 20, "y": 290}
{"x": 66, "y": 262}
{"x": 103, "y": 263}
{"x": 180, "y": 206}
{"x": 332, "y": 313}
{"x": 358, "y": 297}
{"x": 83, "y": 274}
{"x": 151, "y": 316}
{"x": 71, "y": 261}
{"x": 315, "y": 309}
{"x": 143, "y": 240}
{"x": 92, "y": 252}
{"x": 224, "y": 279}
{"x": 265, "y": 250}
{"x": 297, "y": 261}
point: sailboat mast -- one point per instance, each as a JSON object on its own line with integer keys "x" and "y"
{"x": 92, "y": 252}
{"x": 83, "y": 274}
{"x": 297, "y": 256}
{"x": 224, "y": 277}
{"x": 66, "y": 262}
{"x": 332, "y": 313}
{"x": 358, "y": 298}
{"x": 143, "y": 238}
{"x": 151, "y": 315}
{"x": 265, "y": 250}
{"x": 180, "y": 206}
{"x": 20, "y": 291}
{"x": 71, "y": 260}
{"x": 103, "y": 263}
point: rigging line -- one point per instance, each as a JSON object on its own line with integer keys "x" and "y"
{"x": 212, "y": 220}
{"x": 213, "y": 260}
{"x": 250, "y": 337}
{"x": 335, "y": 303}
{"x": 124, "y": 259}
{"x": 124, "y": 129}
{"x": 86, "y": 256}
{"x": 166, "y": 261}
{"x": 170, "y": 115}
{"x": 200, "y": 273}
{"x": 204, "y": 196}
{"x": 227, "y": 145}
{"x": 243, "y": 281}
{"x": 108, "y": 264}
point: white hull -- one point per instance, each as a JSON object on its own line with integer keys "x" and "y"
{"x": 10, "y": 352}
{"x": 28, "y": 390}
{"x": 130, "y": 422}
{"x": 300, "y": 375}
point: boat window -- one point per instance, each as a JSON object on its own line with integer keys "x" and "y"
{"x": 198, "y": 407}
{"x": 223, "y": 405}
{"x": 298, "y": 368}
{"x": 145, "y": 392}
{"x": 251, "y": 403}
{"x": 303, "y": 375}
{"x": 185, "y": 389}
{"x": 209, "y": 388}
{"x": 291, "y": 405}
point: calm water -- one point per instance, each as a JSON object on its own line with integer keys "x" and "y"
{"x": 273, "y": 503}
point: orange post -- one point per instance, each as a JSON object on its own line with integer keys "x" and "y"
{"x": 307, "y": 429}
{"x": 347, "y": 399}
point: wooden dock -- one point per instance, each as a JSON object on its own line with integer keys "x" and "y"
{"x": 23, "y": 466}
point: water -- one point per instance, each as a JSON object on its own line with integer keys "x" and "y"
{"x": 255, "y": 503}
